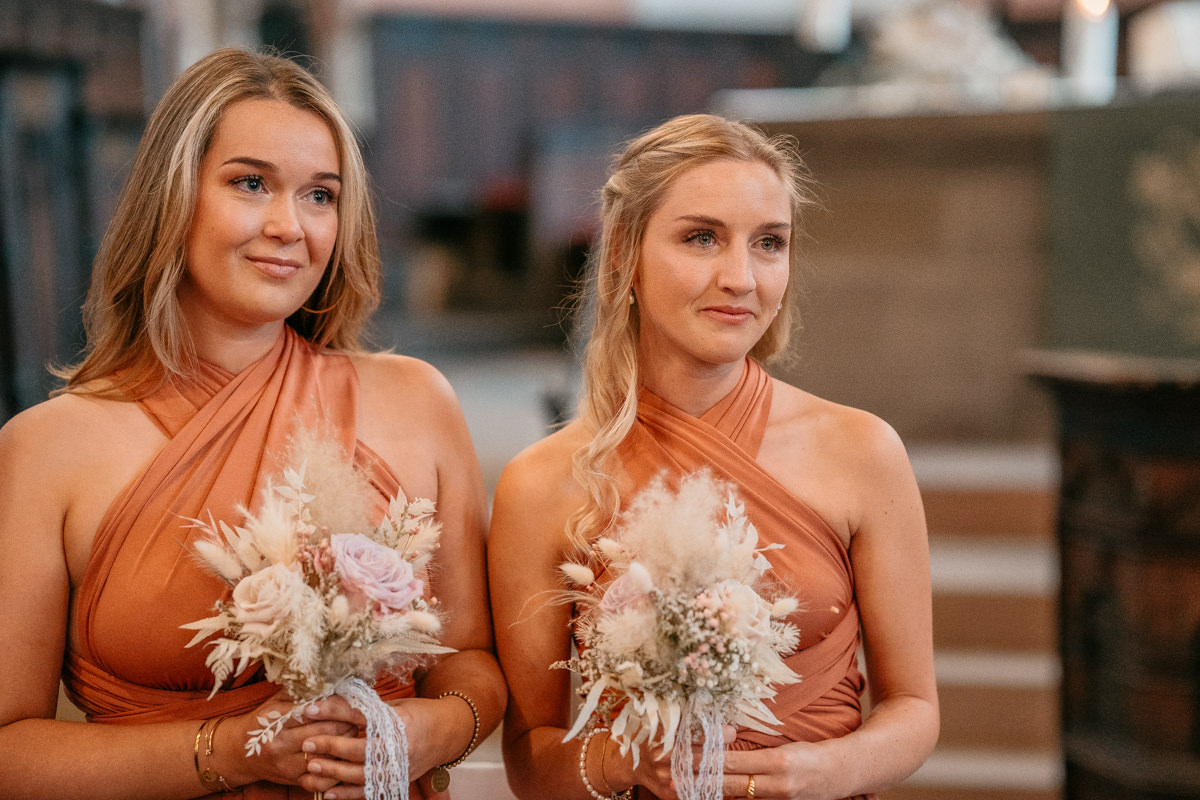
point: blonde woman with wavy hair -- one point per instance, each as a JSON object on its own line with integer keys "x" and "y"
{"x": 609, "y": 321}
{"x": 690, "y": 287}
{"x": 223, "y": 326}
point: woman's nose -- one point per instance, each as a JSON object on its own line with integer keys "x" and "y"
{"x": 736, "y": 272}
{"x": 283, "y": 220}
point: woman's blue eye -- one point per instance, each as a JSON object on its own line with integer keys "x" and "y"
{"x": 704, "y": 238}
{"x": 251, "y": 183}
{"x": 323, "y": 196}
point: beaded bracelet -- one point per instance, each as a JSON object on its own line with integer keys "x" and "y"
{"x": 441, "y": 774}
{"x": 625, "y": 795}
{"x": 212, "y": 780}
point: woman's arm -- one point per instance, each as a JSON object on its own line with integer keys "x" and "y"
{"x": 460, "y": 583}
{"x": 526, "y": 545}
{"x": 46, "y": 465}
{"x": 412, "y": 419}
{"x": 890, "y": 557}
{"x": 535, "y": 496}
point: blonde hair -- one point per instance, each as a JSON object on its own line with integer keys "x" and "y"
{"x": 136, "y": 334}
{"x": 642, "y": 174}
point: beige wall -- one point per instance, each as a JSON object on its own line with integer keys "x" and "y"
{"x": 928, "y": 270}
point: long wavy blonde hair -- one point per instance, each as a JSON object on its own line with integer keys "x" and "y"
{"x": 641, "y": 176}
{"x": 136, "y": 334}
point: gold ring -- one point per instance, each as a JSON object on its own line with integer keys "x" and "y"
{"x": 318, "y": 796}
{"x": 750, "y": 787}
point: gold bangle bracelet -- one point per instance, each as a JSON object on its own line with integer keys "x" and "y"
{"x": 196, "y": 747}
{"x": 440, "y": 778}
{"x": 212, "y": 780}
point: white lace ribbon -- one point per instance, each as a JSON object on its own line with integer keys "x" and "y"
{"x": 387, "y": 745}
{"x": 705, "y": 783}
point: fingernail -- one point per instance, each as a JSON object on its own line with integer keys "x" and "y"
{"x": 309, "y": 747}
{"x": 315, "y": 768}
{"x": 312, "y": 710}
{"x": 330, "y": 796}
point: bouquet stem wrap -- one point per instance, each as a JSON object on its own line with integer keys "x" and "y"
{"x": 387, "y": 744}
{"x": 703, "y": 722}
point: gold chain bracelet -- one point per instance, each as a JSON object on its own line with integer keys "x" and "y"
{"x": 440, "y": 779}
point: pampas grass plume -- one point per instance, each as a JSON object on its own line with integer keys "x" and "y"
{"x": 641, "y": 577}
{"x": 578, "y": 573}
{"x": 346, "y": 496}
{"x": 676, "y": 534}
{"x": 423, "y": 621}
{"x": 220, "y": 559}
{"x": 784, "y": 606}
{"x": 611, "y": 550}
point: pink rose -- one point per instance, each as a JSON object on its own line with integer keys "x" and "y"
{"x": 261, "y": 601}
{"x": 377, "y": 572}
{"x": 623, "y": 593}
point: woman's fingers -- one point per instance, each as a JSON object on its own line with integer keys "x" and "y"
{"x": 336, "y": 709}
{"x": 735, "y": 785}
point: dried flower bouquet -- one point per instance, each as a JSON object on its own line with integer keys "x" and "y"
{"x": 324, "y": 598}
{"x": 681, "y": 640}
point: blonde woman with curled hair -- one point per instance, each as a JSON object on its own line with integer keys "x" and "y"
{"x": 226, "y": 304}
{"x": 690, "y": 286}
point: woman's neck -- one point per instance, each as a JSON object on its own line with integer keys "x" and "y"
{"x": 235, "y": 349}
{"x": 694, "y": 388}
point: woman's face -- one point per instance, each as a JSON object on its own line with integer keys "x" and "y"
{"x": 266, "y": 216}
{"x": 714, "y": 263}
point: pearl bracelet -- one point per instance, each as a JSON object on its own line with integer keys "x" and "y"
{"x": 625, "y": 795}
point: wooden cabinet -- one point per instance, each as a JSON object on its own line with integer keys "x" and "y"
{"x": 1129, "y": 541}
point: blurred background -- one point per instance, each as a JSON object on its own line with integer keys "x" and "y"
{"x": 1011, "y": 206}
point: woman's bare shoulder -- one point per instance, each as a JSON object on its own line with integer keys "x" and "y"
{"x": 404, "y": 393}
{"x": 842, "y": 460}
{"x": 392, "y": 372}
{"x": 835, "y": 427}
{"x": 74, "y": 452}
{"x": 549, "y": 456}
{"x": 67, "y": 426}
{"x": 541, "y": 475}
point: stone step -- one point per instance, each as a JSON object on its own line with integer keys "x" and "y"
{"x": 965, "y": 774}
{"x": 1000, "y": 701}
{"x": 994, "y": 593}
{"x": 988, "y": 490}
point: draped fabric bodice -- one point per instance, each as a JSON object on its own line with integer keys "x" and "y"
{"x": 127, "y": 660}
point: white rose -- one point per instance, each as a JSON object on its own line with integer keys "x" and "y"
{"x": 261, "y": 600}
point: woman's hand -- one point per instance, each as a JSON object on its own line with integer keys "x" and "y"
{"x": 338, "y": 759}
{"x": 283, "y": 759}
{"x": 654, "y": 768}
{"x": 333, "y": 749}
{"x": 795, "y": 771}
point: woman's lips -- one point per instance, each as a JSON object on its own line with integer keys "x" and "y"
{"x": 729, "y": 313}
{"x": 276, "y": 267}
